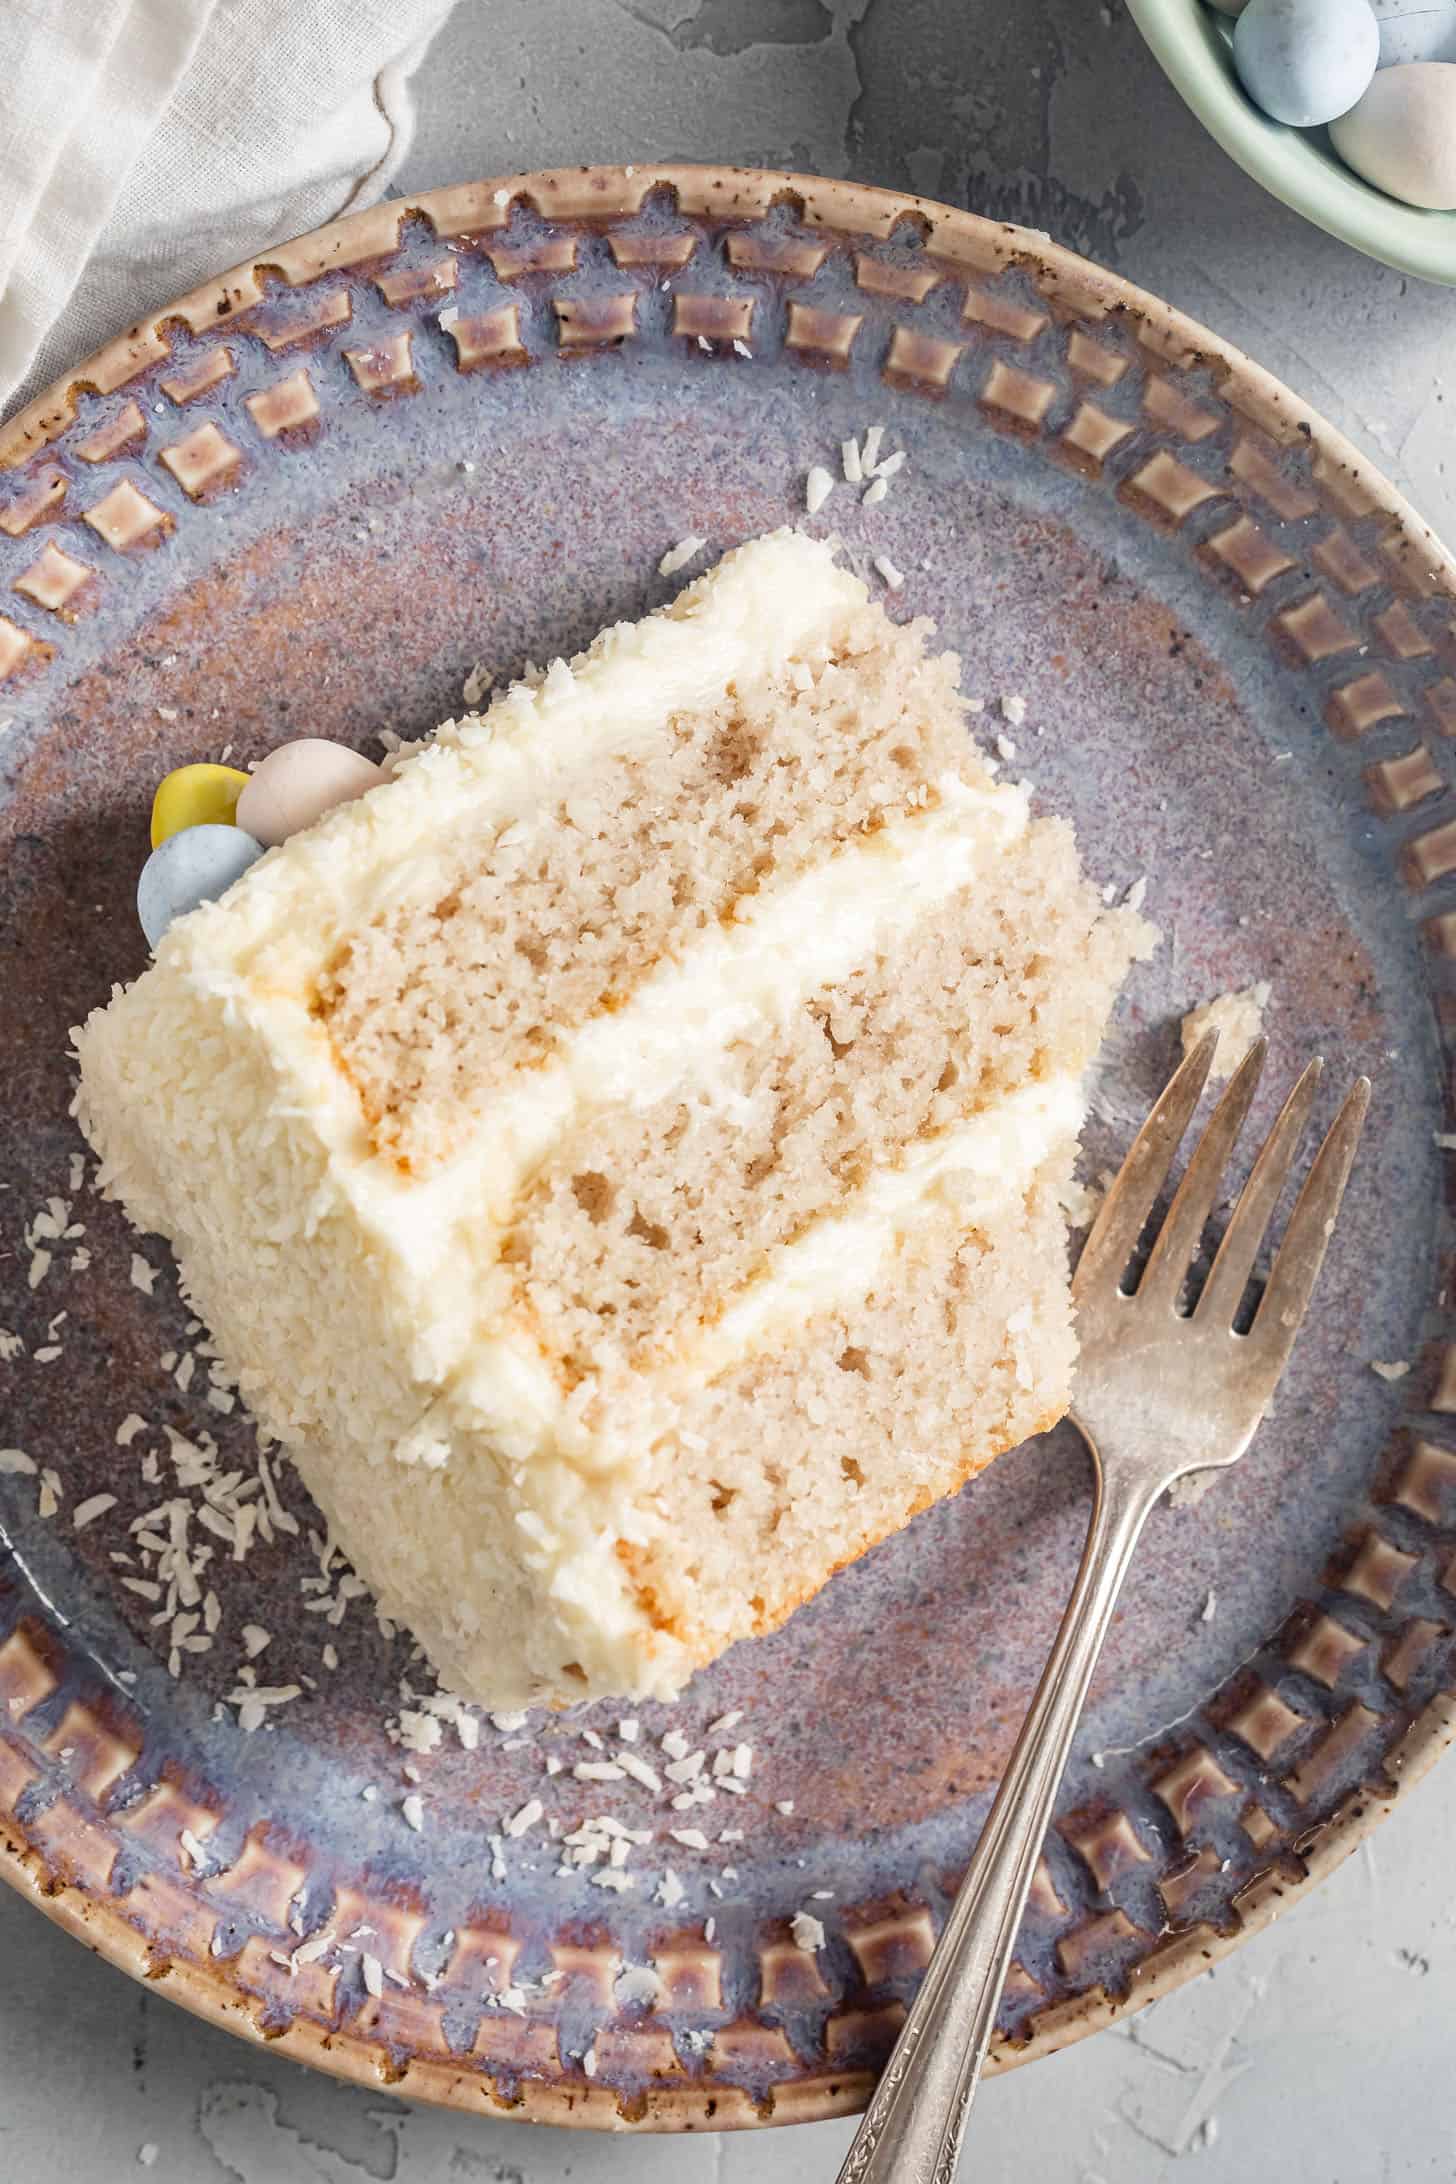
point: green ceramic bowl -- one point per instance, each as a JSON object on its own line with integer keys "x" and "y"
{"x": 1194, "y": 47}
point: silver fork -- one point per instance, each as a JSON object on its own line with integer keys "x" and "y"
{"x": 1157, "y": 1394}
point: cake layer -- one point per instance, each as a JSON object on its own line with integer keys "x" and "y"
{"x": 861, "y": 1416}
{"x": 782, "y": 744}
{"x": 580, "y": 1280}
{"x": 689, "y": 1021}
{"x": 642, "y": 1216}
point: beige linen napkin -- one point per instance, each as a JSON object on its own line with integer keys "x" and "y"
{"x": 147, "y": 144}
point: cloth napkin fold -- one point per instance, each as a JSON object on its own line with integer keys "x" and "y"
{"x": 148, "y": 144}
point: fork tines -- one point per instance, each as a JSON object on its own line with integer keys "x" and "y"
{"x": 1143, "y": 1174}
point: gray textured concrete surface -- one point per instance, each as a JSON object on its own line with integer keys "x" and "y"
{"x": 1321, "y": 2053}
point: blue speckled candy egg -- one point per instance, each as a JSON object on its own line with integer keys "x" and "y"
{"x": 1305, "y": 61}
{"x": 195, "y": 866}
{"x": 1415, "y": 30}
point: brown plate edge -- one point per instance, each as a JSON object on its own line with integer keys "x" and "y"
{"x": 582, "y": 2106}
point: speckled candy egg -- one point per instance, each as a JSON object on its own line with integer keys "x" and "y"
{"x": 1304, "y": 61}
{"x": 298, "y": 783}
{"x": 1402, "y": 135}
{"x": 195, "y": 796}
{"x": 1415, "y": 30}
{"x": 189, "y": 868}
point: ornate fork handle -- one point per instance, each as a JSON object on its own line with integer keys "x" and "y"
{"x": 1170, "y": 1393}
{"x": 911, "y": 2132}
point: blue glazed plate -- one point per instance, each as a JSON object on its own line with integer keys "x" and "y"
{"x": 460, "y": 432}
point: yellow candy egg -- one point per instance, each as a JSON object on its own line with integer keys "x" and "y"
{"x": 196, "y": 796}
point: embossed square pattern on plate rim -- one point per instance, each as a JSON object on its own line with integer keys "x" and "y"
{"x": 1063, "y": 363}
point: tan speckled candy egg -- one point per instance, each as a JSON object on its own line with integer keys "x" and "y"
{"x": 298, "y": 783}
{"x": 1402, "y": 134}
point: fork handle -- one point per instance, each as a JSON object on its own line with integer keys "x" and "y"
{"x": 911, "y": 2132}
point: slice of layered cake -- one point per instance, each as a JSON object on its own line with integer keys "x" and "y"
{"x": 619, "y": 1156}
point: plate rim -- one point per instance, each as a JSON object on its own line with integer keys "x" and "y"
{"x": 343, "y": 2054}
{"x": 610, "y": 193}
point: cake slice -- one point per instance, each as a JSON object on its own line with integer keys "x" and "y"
{"x": 620, "y": 1155}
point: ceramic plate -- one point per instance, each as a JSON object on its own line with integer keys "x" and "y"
{"x": 461, "y": 431}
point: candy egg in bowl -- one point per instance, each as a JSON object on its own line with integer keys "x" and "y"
{"x": 1409, "y": 102}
